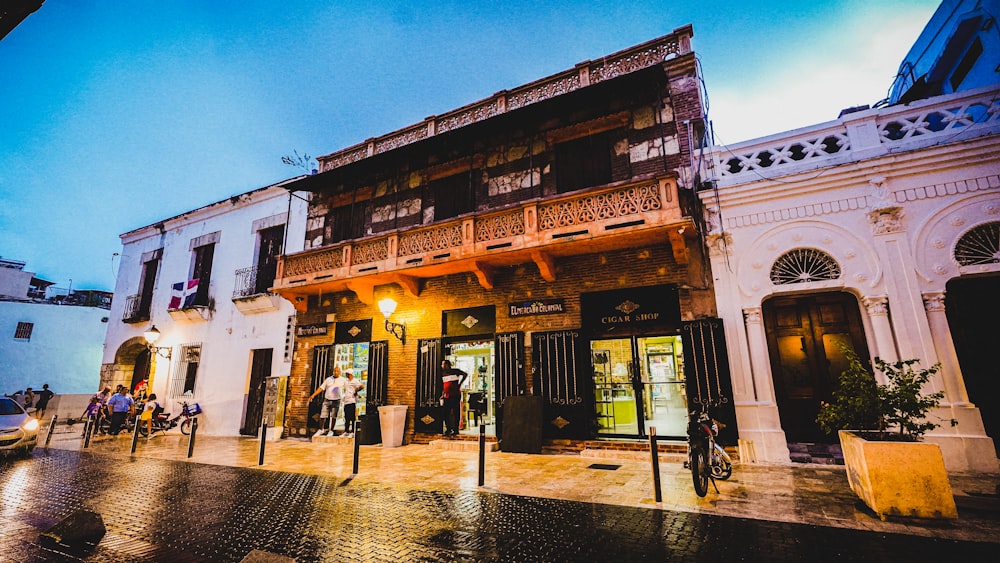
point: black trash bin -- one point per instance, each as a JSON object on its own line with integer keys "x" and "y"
{"x": 371, "y": 432}
{"x": 522, "y": 425}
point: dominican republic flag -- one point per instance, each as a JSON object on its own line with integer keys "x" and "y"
{"x": 183, "y": 294}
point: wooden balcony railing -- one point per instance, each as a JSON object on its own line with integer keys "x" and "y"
{"x": 598, "y": 219}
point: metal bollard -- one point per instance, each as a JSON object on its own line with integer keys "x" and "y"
{"x": 194, "y": 430}
{"x": 263, "y": 440}
{"x": 135, "y": 434}
{"x": 88, "y": 430}
{"x": 357, "y": 446}
{"x": 52, "y": 427}
{"x": 482, "y": 454}
{"x": 656, "y": 464}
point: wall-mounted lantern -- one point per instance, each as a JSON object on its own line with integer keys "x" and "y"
{"x": 388, "y": 307}
{"x": 151, "y": 336}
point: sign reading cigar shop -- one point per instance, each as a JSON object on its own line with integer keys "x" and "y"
{"x": 311, "y": 330}
{"x": 634, "y": 310}
{"x": 536, "y": 307}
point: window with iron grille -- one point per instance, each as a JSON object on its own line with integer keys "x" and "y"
{"x": 23, "y": 331}
{"x": 184, "y": 379}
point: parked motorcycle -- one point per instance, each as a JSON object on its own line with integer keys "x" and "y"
{"x": 162, "y": 422}
{"x": 706, "y": 458}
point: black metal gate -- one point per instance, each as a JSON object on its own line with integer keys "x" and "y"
{"x": 706, "y": 374}
{"x": 377, "y": 387}
{"x": 567, "y": 412}
{"x": 428, "y": 412}
{"x": 321, "y": 369}
{"x": 508, "y": 377}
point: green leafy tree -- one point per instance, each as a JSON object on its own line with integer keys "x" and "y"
{"x": 861, "y": 403}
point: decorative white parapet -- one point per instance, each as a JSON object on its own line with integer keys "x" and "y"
{"x": 861, "y": 135}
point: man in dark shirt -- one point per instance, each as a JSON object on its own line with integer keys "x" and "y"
{"x": 451, "y": 393}
{"x": 43, "y": 401}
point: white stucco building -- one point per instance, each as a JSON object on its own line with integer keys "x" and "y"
{"x": 48, "y": 340}
{"x": 861, "y": 231}
{"x": 202, "y": 279}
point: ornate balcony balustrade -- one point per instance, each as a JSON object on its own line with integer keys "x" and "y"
{"x": 614, "y": 216}
{"x": 863, "y": 135}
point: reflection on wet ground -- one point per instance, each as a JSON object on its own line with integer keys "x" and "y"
{"x": 423, "y": 503}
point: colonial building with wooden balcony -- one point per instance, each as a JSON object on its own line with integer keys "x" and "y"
{"x": 544, "y": 240}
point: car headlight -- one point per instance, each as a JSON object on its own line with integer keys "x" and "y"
{"x": 30, "y": 425}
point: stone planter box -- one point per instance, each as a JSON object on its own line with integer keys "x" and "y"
{"x": 898, "y": 478}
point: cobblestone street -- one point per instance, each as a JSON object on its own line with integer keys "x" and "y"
{"x": 164, "y": 510}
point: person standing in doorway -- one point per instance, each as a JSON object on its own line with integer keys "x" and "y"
{"x": 351, "y": 388}
{"x": 451, "y": 395}
{"x": 333, "y": 391}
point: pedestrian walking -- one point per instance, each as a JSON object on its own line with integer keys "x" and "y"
{"x": 333, "y": 391}
{"x": 351, "y": 388}
{"x": 44, "y": 396}
{"x": 451, "y": 396}
{"x": 120, "y": 404}
{"x": 91, "y": 413}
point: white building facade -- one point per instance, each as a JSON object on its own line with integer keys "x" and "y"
{"x": 54, "y": 341}
{"x": 203, "y": 279}
{"x": 879, "y": 231}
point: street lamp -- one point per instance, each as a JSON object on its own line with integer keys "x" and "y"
{"x": 388, "y": 307}
{"x": 151, "y": 336}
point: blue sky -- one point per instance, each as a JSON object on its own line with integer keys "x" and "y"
{"x": 114, "y": 114}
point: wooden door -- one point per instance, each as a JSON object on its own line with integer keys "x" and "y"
{"x": 805, "y": 338}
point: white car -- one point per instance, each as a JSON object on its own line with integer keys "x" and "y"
{"x": 18, "y": 429}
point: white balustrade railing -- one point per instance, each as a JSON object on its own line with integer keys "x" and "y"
{"x": 862, "y": 135}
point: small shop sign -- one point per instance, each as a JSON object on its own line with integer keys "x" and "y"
{"x": 311, "y": 330}
{"x": 536, "y": 307}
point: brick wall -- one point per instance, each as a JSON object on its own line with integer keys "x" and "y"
{"x": 653, "y": 265}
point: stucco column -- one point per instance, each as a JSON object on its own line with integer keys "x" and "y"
{"x": 951, "y": 372}
{"x": 878, "y": 314}
{"x": 761, "y": 366}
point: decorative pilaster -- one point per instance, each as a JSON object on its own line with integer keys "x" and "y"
{"x": 878, "y": 313}
{"x": 951, "y": 372}
{"x": 759, "y": 363}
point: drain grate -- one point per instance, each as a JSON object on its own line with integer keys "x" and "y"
{"x": 604, "y": 466}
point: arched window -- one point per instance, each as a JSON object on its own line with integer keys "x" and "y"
{"x": 804, "y": 265}
{"x": 981, "y": 245}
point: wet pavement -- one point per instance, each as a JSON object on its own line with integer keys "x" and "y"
{"x": 423, "y": 503}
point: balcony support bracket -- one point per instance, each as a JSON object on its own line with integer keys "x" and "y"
{"x": 364, "y": 291}
{"x": 484, "y": 273}
{"x": 410, "y": 284}
{"x": 679, "y": 246}
{"x": 546, "y": 266}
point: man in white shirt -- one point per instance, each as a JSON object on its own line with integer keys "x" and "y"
{"x": 333, "y": 389}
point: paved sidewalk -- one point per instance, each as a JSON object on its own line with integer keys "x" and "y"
{"x": 802, "y": 494}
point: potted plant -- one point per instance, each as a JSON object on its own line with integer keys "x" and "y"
{"x": 880, "y": 427}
